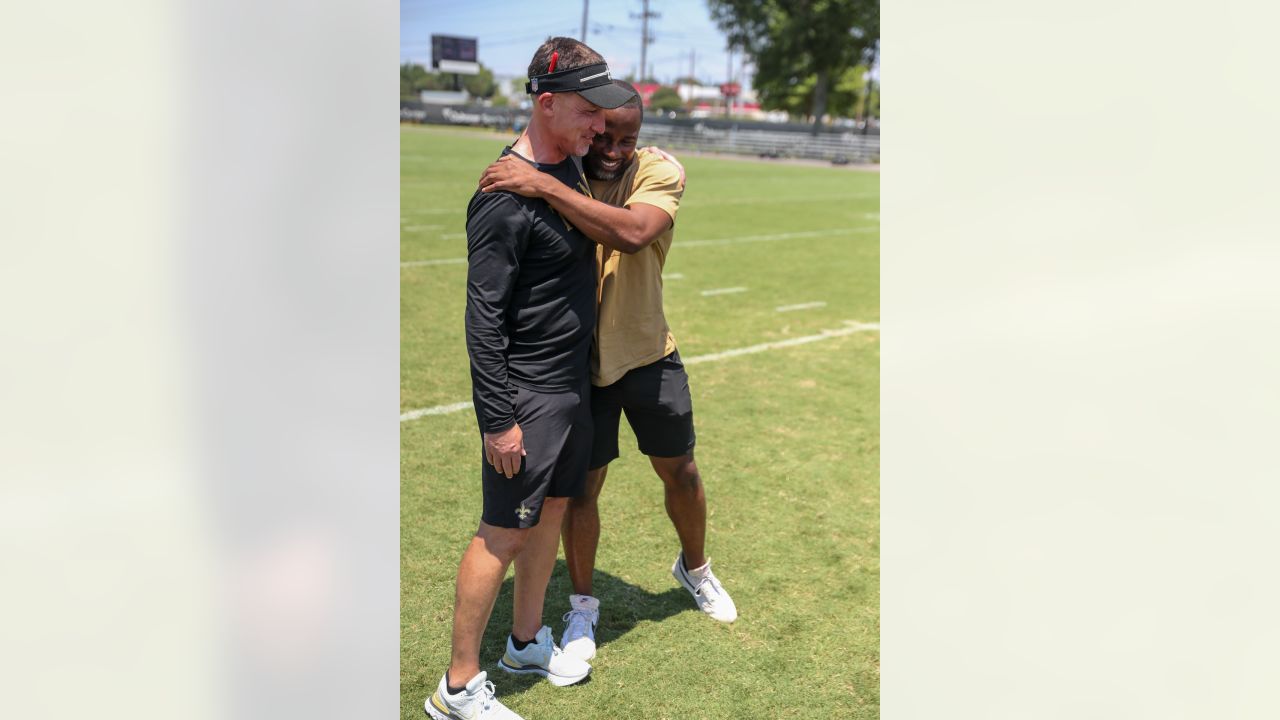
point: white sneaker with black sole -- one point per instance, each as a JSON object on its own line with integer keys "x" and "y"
{"x": 475, "y": 702}
{"x": 543, "y": 657}
{"x": 706, "y": 590}
{"x": 579, "y": 638}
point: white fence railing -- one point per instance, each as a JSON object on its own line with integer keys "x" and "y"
{"x": 851, "y": 146}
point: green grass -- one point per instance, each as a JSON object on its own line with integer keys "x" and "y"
{"x": 788, "y": 445}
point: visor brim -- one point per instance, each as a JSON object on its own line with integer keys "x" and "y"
{"x": 608, "y": 96}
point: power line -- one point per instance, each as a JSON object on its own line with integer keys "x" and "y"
{"x": 645, "y": 37}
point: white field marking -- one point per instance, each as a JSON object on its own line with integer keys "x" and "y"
{"x": 723, "y": 291}
{"x": 452, "y": 236}
{"x": 726, "y": 241}
{"x": 437, "y": 410}
{"x": 771, "y": 238}
{"x": 673, "y": 276}
{"x": 761, "y": 201}
{"x": 800, "y": 306}
{"x": 415, "y": 228}
{"x": 440, "y": 261}
{"x": 849, "y": 328}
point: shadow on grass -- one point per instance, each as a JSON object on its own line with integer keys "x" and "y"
{"x": 623, "y": 606}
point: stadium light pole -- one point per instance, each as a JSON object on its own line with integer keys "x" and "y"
{"x": 585, "y": 3}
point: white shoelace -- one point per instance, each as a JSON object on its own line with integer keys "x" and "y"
{"x": 579, "y": 622}
{"x": 710, "y": 579}
{"x": 487, "y": 694}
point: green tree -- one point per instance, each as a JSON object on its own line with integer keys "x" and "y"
{"x": 846, "y": 97}
{"x": 665, "y": 99}
{"x": 415, "y": 78}
{"x": 792, "y": 42}
{"x": 481, "y": 85}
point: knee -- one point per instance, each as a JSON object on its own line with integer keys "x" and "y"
{"x": 586, "y": 501}
{"x": 506, "y": 543}
{"x": 684, "y": 478}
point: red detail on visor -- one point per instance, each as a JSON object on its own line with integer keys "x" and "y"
{"x": 555, "y": 55}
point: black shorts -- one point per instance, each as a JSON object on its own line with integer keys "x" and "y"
{"x": 658, "y": 407}
{"x": 557, "y": 443}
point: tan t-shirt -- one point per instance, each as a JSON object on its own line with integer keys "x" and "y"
{"x": 631, "y": 330}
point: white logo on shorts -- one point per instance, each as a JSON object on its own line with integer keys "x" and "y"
{"x": 523, "y": 512}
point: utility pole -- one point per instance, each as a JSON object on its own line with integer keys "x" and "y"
{"x": 693, "y": 54}
{"x": 728, "y": 99}
{"x": 584, "y": 19}
{"x": 645, "y": 38}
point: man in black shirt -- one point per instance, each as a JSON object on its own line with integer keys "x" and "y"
{"x": 531, "y": 299}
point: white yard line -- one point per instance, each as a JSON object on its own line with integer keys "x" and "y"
{"x": 673, "y": 276}
{"x": 774, "y": 237}
{"x": 800, "y": 306}
{"x": 415, "y": 228}
{"x": 437, "y": 410}
{"x": 718, "y": 241}
{"x": 723, "y": 291}
{"x": 849, "y": 328}
{"x": 775, "y": 199}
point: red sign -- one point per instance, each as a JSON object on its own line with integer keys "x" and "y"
{"x": 730, "y": 89}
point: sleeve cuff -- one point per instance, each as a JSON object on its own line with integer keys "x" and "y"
{"x": 501, "y": 426}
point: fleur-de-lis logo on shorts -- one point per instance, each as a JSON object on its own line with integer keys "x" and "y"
{"x": 523, "y": 512}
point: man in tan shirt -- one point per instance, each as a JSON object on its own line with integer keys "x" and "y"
{"x": 635, "y": 366}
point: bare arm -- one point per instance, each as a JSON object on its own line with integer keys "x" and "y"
{"x": 625, "y": 229}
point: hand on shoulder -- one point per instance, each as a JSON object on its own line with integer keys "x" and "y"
{"x": 667, "y": 157}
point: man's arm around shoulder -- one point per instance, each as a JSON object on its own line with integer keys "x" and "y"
{"x": 626, "y": 229}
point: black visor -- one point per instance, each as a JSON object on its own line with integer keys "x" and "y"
{"x": 593, "y": 82}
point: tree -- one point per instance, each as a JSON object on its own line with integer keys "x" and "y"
{"x": 481, "y": 85}
{"x": 794, "y": 41}
{"x": 415, "y": 78}
{"x": 665, "y": 99}
{"x": 846, "y": 97}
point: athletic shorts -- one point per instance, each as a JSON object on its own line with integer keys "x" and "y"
{"x": 557, "y": 442}
{"x": 658, "y": 407}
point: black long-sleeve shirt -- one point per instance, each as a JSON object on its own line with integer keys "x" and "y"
{"x": 531, "y": 298}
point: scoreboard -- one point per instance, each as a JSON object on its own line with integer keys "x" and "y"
{"x": 452, "y": 54}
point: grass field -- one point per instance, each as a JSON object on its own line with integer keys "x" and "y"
{"x": 788, "y": 445}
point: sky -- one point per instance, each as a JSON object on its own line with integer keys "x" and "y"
{"x": 508, "y": 32}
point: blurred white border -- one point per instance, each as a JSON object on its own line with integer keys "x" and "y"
{"x": 200, "y": 368}
{"x": 1079, "y": 408}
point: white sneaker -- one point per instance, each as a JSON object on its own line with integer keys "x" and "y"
{"x": 476, "y": 702}
{"x": 706, "y": 590}
{"x": 542, "y": 657}
{"x": 579, "y": 639}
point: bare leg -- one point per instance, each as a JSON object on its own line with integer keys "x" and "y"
{"x": 686, "y": 505}
{"x": 480, "y": 574}
{"x": 533, "y": 569}
{"x": 582, "y": 532}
